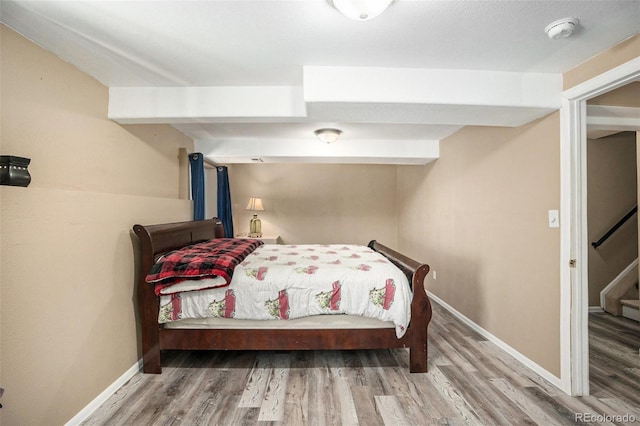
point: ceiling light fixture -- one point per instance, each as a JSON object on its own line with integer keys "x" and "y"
{"x": 361, "y": 10}
{"x": 562, "y": 28}
{"x": 328, "y": 135}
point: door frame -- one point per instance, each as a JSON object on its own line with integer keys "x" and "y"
{"x": 574, "y": 338}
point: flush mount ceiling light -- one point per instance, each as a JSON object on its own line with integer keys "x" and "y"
{"x": 328, "y": 135}
{"x": 562, "y": 28}
{"x": 361, "y": 10}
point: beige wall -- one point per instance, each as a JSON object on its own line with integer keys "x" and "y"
{"x": 617, "y": 55}
{"x": 67, "y": 260}
{"x": 211, "y": 192}
{"x": 611, "y": 193}
{"x": 625, "y": 96}
{"x": 318, "y": 203}
{"x": 478, "y": 217}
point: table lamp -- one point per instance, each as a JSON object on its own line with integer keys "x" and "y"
{"x": 255, "y": 226}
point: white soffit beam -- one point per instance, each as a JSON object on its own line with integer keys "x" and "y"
{"x": 600, "y": 117}
{"x": 456, "y": 94}
{"x": 370, "y": 151}
{"x": 399, "y": 161}
{"x": 447, "y": 115}
{"x": 431, "y": 86}
{"x": 387, "y": 95}
{"x": 199, "y": 104}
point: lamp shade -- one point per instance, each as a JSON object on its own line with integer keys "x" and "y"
{"x": 361, "y": 10}
{"x": 255, "y": 204}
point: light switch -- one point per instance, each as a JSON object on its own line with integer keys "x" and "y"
{"x": 554, "y": 219}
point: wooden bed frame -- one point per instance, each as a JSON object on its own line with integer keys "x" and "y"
{"x": 158, "y": 239}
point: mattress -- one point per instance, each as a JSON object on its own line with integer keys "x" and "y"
{"x": 283, "y": 283}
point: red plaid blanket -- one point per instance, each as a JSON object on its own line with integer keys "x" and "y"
{"x": 217, "y": 257}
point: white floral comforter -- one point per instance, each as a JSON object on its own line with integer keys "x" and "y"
{"x": 292, "y": 281}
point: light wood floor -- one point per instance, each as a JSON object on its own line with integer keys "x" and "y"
{"x": 470, "y": 381}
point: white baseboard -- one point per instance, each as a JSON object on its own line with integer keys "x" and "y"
{"x": 502, "y": 345}
{"x": 595, "y": 309}
{"x": 101, "y": 399}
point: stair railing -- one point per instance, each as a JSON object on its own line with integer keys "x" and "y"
{"x": 615, "y": 227}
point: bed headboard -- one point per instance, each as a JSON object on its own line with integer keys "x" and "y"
{"x": 154, "y": 241}
{"x": 158, "y": 239}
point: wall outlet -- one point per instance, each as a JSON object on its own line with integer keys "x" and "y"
{"x": 434, "y": 275}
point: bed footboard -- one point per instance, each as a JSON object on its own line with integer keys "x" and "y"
{"x": 420, "y": 306}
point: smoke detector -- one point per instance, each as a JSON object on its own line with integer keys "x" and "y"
{"x": 562, "y": 28}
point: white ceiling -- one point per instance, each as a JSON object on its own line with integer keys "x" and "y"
{"x": 253, "y": 79}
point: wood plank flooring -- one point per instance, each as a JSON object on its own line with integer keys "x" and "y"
{"x": 470, "y": 381}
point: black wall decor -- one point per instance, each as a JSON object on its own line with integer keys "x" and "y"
{"x": 14, "y": 170}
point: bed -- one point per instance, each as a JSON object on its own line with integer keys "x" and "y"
{"x": 333, "y": 332}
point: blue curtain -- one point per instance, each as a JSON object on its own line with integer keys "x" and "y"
{"x": 196, "y": 162}
{"x": 224, "y": 201}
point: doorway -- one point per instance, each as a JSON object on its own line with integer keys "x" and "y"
{"x": 574, "y": 346}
